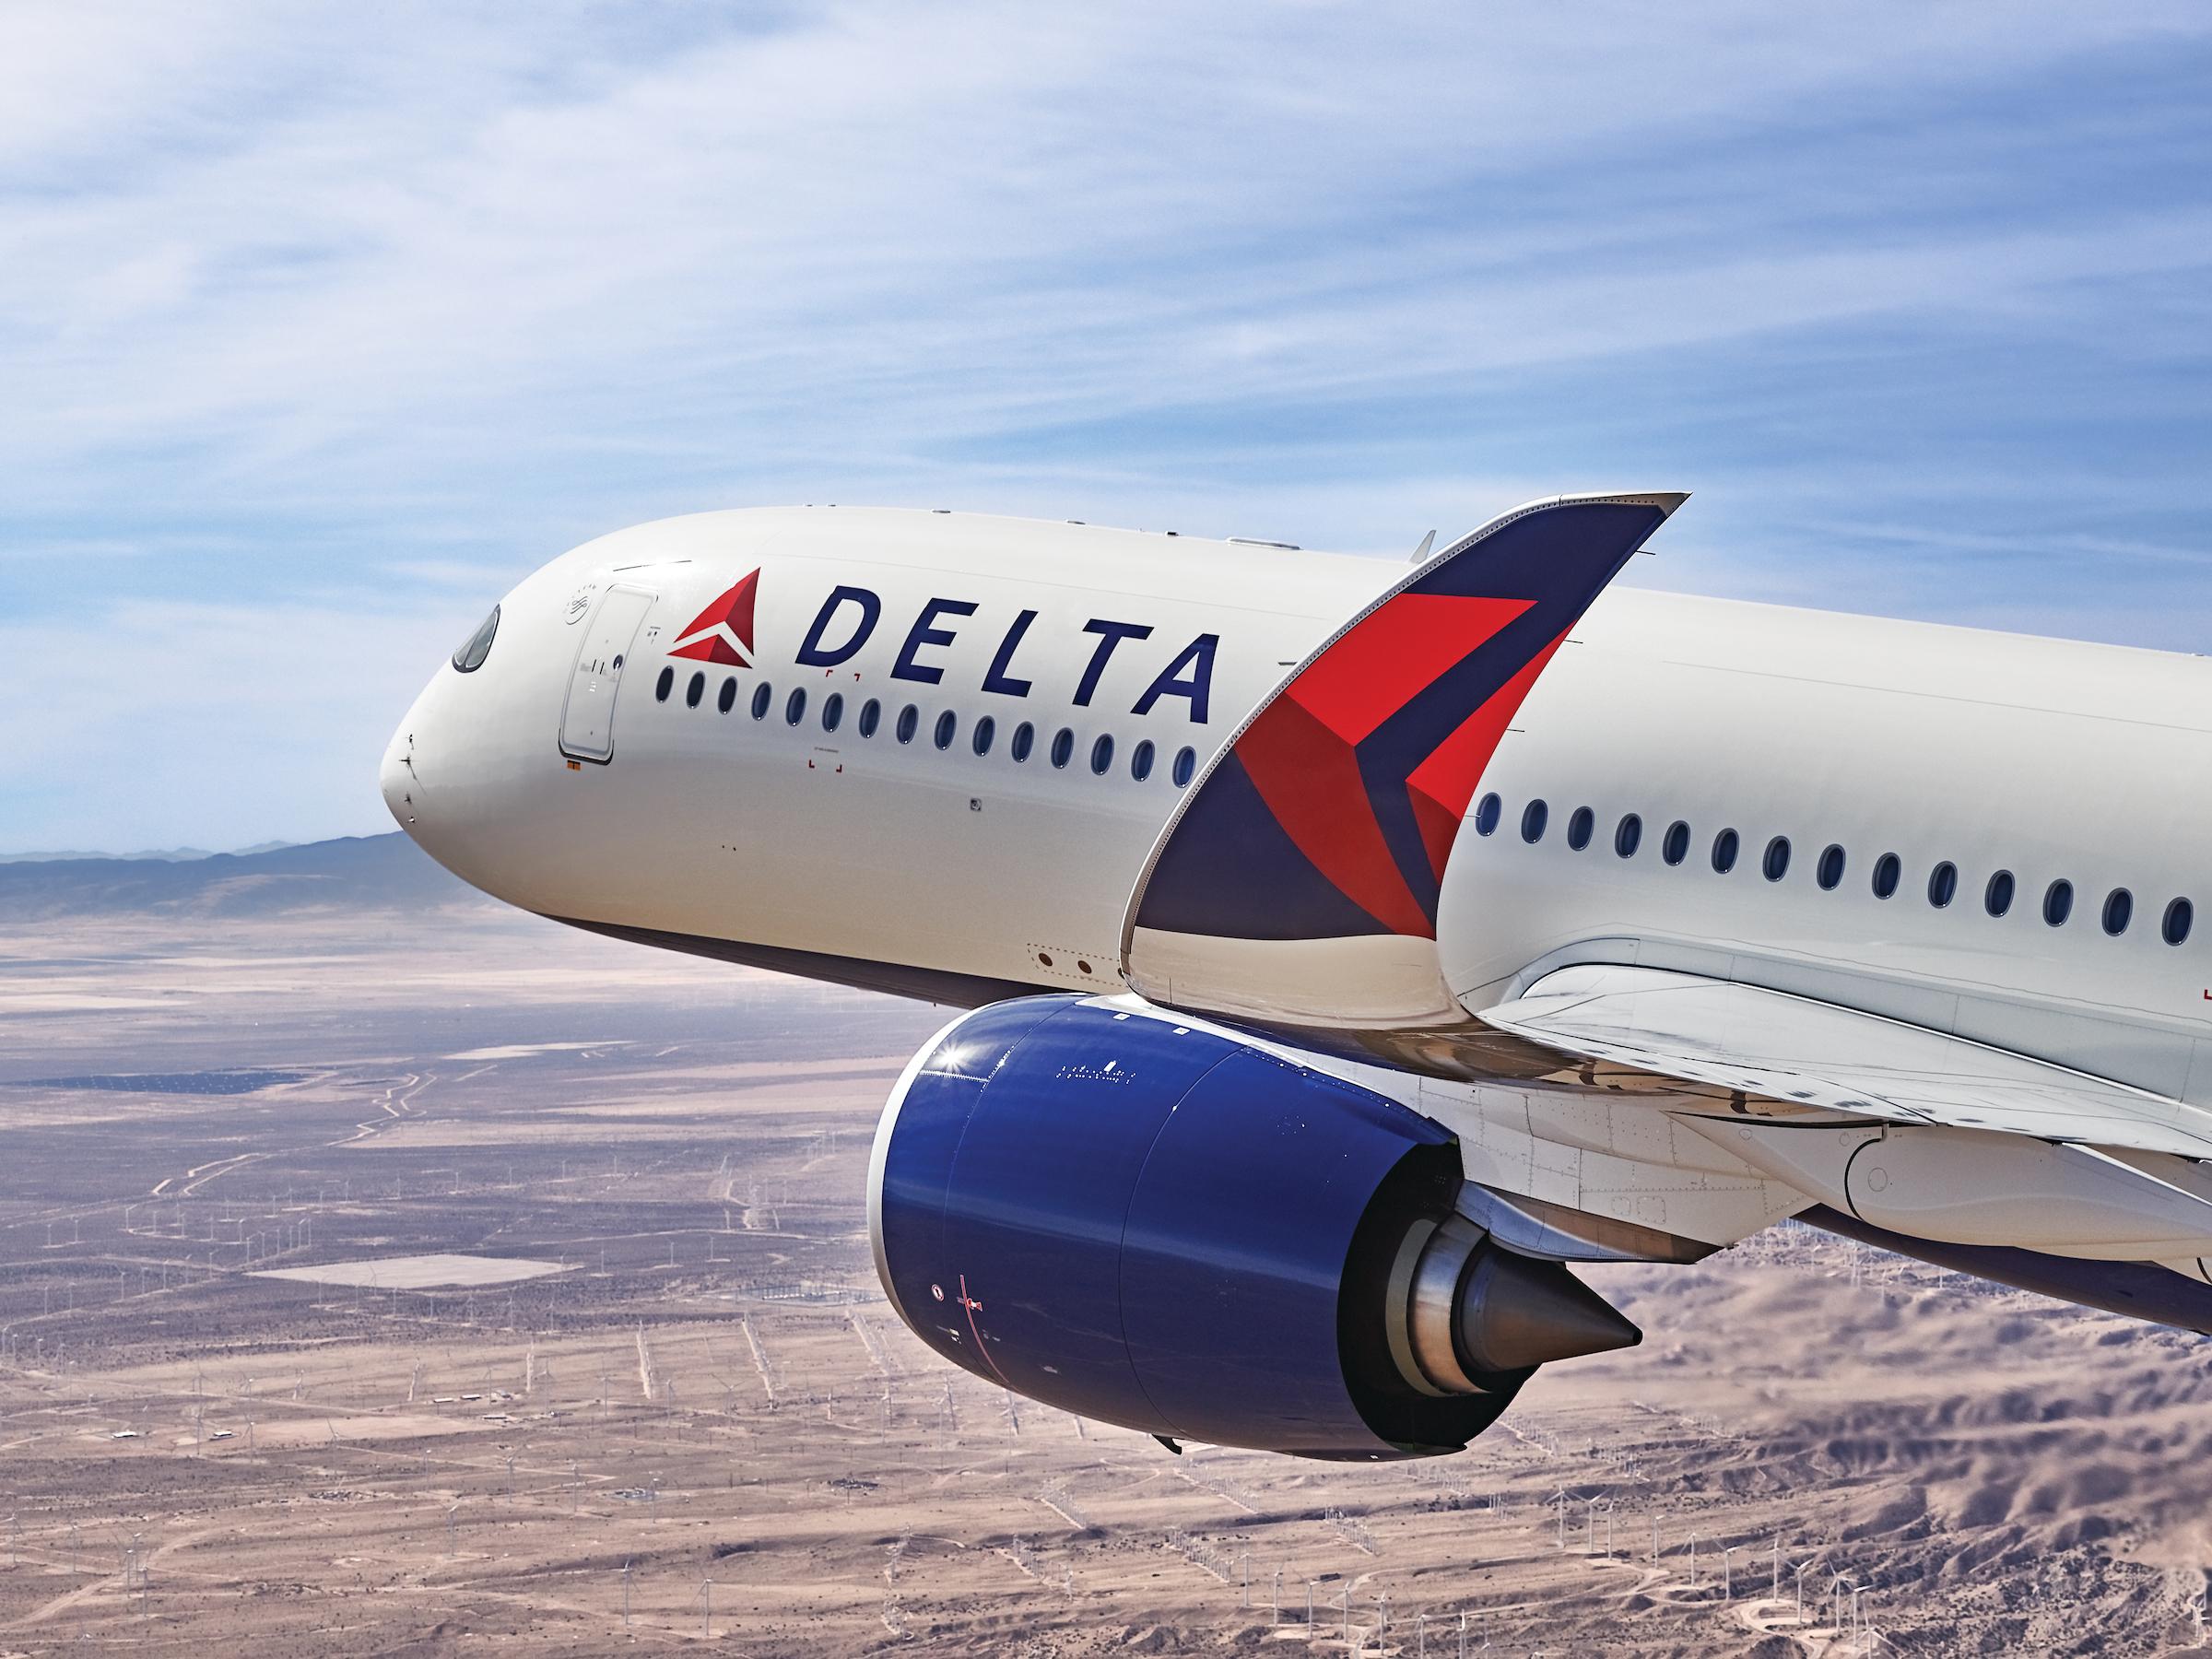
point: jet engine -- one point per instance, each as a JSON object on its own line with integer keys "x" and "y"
{"x": 1149, "y": 1223}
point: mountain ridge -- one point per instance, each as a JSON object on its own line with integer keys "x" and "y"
{"x": 352, "y": 872}
{"x": 165, "y": 854}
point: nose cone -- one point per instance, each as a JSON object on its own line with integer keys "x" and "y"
{"x": 424, "y": 775}
{"x": 456, "y": 773}
{"x": 1517, "y": 1311}
{"x": 474, "y": 771}
{"x": 395, "y": 777}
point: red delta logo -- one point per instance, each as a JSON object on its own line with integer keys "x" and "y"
{"x": 723, "y": 631}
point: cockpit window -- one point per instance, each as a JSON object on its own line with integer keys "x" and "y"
{"x": 478, "y": 646}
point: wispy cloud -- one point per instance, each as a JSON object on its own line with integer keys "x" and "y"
{"x": 337, "y": 309}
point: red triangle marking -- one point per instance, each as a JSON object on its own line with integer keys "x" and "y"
{"x": 1310, "y": 778}
{"x": 1441, "y": 786}
{"x": 1439, "y": 826}
{"x": 733, "y": 610}
{"x": 1393, "y": 653}
{"x": 712, "y": 648}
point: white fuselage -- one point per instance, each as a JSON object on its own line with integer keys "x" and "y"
{"x": 1990, "y": 752}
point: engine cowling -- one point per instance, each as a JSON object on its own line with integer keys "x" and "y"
{"x": 1149, "y": 1223}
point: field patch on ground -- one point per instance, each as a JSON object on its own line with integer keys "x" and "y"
{"x": 417, "y": 1272}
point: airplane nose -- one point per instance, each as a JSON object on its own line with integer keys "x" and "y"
{"x": 425, "y": 776}
{"x": 464, "y": 772}
{"x": 426, "y": 733}
{"x": 396, "y": 778}
{"x": 451, "y": 772}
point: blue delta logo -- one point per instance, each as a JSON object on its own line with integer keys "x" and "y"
{"x": 848, "y": 619}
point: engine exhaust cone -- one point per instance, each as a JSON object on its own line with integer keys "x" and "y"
{"x": 1515, "y": 1311}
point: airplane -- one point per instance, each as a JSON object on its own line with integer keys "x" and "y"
{"x": 1342, "y": 948}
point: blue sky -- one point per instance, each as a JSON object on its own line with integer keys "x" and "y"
{"x": 318, "y": 327}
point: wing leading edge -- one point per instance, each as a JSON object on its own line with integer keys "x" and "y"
{"x": 1898, "y": 1126}
{"x": 1793, "y": 1049}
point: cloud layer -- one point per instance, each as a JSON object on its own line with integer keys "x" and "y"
{"x": 321, "y": 326}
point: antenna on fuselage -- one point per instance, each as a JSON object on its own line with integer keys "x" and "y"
{"x": 1422, "y": 552}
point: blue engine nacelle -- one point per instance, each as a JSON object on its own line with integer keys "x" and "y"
{"x": 1154, "y": 1225}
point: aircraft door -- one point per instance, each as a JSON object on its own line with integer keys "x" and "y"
{"x": 587, "y": 719}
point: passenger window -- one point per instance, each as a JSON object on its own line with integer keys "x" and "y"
{"x": 833, "y": 711}
{"x": 1580, "y": 827}
{"x": 2058, "y": 902}
{"x": 665, "y": 685}
{"x": 1101, "y": 755}
{"x": 1140, "y": 759}
{"x": 694, "y": 690}
{"x": 1776, "y": 864}
{"x": 794, "y": 706}
{"x": 1675, "y": 847}
{"x": 1063, "y": 746}
{"x": 1829, "y": 872}
{"x": 763, "y": 696}
{"x": 1025, "y": 736}
{"x": 1486, "y": 813}
{"x": 949, "y": 727}
{"x": 1997, "y": 898}
{"x": 909, "y": 722}
{"x": 1629, "y": 837}
{"x": 1533, "y": 819}
{"x": 1724, "y": 848}
{"x": 2119, "y": 908}
{"x": 871, "y": 716}
{"x": 1943, "y": 884}
{"x": 1186, "y": 766}
{"x": 727, "y": 698}
{"x": 1888, "y": 870}
{"x": 986, "y": 728}
{"x": 2175, "y": 927}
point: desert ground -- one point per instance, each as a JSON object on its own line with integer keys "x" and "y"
{"x": 441, "y": 1280}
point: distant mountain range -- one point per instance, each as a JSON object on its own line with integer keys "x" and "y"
{"x": 167, "y": 854}
{"x": 375, "y": 872}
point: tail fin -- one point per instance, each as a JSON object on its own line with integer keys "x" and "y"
{"x": 1332, "y": 812}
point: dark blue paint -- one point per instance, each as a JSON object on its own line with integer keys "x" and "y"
{"x": 1150, "y": 1228}
{"x": 996, "y": 679}
{"x": 1205, "y": 883}
{"x": 923, "y": 632}
{"x": 1560, "y": 558}
{"x": 1207, "y": 880}
{"x": 1109, "y": 635}
{"x": 1233, "y": 1255}
{"x": 813, "y": 654}
{"x": 1190, "y": 675}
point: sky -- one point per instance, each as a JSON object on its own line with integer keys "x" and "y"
{"x": 321, "y": 326}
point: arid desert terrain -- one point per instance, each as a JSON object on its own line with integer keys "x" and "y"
{"x": 389, "y": 1274}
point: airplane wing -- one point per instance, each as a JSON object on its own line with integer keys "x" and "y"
{"x": 1743, "y": 1040}
{"x": 1298, "y": 880}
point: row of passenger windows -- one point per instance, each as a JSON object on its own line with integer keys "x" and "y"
{"x": 1997, "y": 892}
{"x": 1020, "y": 744}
